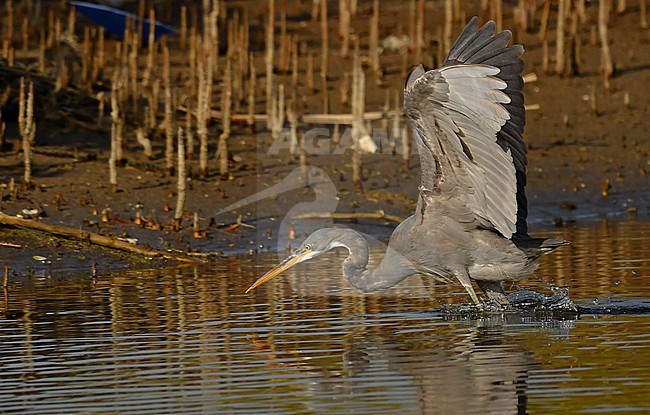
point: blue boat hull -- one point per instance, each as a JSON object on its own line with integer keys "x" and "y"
{"x": 114, "y": 20}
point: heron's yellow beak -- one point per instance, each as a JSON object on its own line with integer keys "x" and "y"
{"x": 290, "y": 261}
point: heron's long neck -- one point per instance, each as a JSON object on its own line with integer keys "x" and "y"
{"x": 391, "y": 271}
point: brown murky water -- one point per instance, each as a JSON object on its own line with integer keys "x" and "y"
{"x": 170, "y": 341}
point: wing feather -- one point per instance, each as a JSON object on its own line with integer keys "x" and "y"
{"x": 468, "y": 119}
{"x": 476, "y": 42}
{"x": 478, "y": 46}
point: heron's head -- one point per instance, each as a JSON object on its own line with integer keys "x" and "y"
{"x": 317, "y": 243}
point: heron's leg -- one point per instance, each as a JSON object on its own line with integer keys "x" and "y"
{"x": 494, "y": 291}
{"x": 467, "y": 283}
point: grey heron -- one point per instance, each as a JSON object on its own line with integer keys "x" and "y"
{"x": 467, "y": 120}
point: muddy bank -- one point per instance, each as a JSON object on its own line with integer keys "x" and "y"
{"x": 583, "y": 164}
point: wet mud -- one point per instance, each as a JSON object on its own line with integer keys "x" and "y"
{"x": 583, "y": 164}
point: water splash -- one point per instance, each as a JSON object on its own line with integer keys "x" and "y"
{"x": 557, "y": 300}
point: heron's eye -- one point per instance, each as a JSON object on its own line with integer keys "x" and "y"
{"x": 307, "y": 248}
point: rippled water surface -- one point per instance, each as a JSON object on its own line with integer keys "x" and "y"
{"x": 188, "y": 340}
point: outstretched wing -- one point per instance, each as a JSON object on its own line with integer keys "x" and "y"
{"x": 467, "y": 119}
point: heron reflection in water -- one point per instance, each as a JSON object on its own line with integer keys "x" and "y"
{"x": 467, "y": 120}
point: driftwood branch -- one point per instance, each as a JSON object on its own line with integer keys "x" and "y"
{"x": 307, "y": 118}
{"x": 380, "y": 214}
{"x": 90, "y": 237}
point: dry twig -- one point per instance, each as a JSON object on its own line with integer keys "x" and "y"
{"x": 90, "y": 237}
